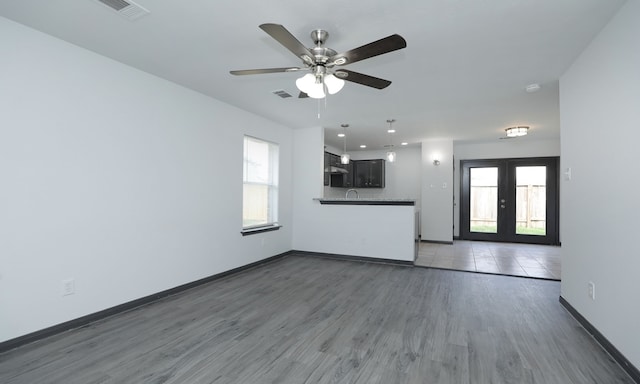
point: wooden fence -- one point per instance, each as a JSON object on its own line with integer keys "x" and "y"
{"x": 530, "y": 206}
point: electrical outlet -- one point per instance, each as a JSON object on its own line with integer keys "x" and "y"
{"x": 592, "y": 290}
{"x": 68, "y": 287}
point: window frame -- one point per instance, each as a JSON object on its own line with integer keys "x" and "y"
{"x": 272, "y": 185}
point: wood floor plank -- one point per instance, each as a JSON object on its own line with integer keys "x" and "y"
{"x": 311, "y": 320}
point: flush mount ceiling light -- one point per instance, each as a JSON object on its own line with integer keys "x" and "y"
{"x": 391, "y": 155}
{"x": 535, "y": 87}
{"x": 517, "y": 131}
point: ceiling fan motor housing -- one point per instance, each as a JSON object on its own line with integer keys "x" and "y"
{"x": 321, "y": 54}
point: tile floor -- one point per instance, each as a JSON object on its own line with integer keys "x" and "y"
{"x": 530, "y": 260}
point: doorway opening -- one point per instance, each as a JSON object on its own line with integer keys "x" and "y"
{"x": 510, "y": 200}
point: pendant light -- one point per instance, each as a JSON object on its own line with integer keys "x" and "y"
{"x": 345, "y": 158}
{"x": 391, "y": 155}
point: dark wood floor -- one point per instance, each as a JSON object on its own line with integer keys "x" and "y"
{"x": 310, "y": 320}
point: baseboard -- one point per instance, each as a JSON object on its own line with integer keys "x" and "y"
{"x": 436, "y": 242}
{"x": 354, "y": 258}
{"x": 93, "y": 317}
{"x": 626, "y": 365}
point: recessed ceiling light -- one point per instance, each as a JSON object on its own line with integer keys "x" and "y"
{"x": 363, "y": 146}
{"x": 340, "y": 134}
{"x": 404, "y": 143}
{"x": 535, "y": 87}
{"x": 391, "y": 130}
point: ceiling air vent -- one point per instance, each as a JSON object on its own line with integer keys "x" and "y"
{"x": 282, "y": 93}
{"x": 127, "y": 9}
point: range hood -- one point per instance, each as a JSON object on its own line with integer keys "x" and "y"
{"x": 334, "y": 169}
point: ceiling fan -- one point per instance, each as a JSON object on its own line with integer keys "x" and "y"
{"x": 322, "y": 62}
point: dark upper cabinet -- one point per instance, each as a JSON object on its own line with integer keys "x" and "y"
{"x": 335, "y": 160}
{"x": 337, "y": 174}
{"x": 327, "y": 165}
{"x": 368, "y": 173}
{"x": 356, "y": 174}
{"x": 343, "y": 180}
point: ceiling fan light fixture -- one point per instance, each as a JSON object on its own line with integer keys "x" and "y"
{"x": 316, "y": 92}
{"x": 313, "y": 85}
{"x": 309, "y": 85}
{"x": 305, "y": 83}
{"x": 334, "y": 85}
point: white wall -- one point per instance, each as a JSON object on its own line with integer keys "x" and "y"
{"x": 600, "y": 115}
{"x": 437, "y": 191}
{"x": 499, "y": 149}
{"x": 307, "y": 172}
{"x": 385, "y": 232}
{"x": 127, "y": 183}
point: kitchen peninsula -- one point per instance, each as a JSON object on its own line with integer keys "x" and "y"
{"x": 368, "y": 227}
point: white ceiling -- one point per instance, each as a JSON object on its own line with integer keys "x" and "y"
{"x": 462, "y": 75}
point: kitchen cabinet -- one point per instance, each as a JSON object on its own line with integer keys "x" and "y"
{"x": 369, "y": 173}
{"x": 343, "y": 180}
{"x": 335, "y": 160}
{"x": 336, "y": 174}
{"x": 327, "y": 166}
{"x": 356, "y": 174}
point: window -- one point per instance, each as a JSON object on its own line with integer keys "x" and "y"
{"x": 260, "y": 185}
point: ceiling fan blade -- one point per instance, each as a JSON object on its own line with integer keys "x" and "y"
{"x": 264, "y": 70}
{"x": 284, "y": 37}
{"x": 386, "y": 45}
{"x": 303, "y": 95}
{"x": 361, "y": 78}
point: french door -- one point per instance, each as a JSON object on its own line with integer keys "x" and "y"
{"x": 511, "y": 200}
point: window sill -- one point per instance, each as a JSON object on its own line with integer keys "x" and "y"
{"x": 255, "y": 230}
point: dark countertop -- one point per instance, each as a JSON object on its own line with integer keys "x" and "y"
{"x": 365, "y": 201}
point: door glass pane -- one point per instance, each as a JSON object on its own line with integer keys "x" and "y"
{"x": 531, "y": 200}
{"x": 483, "y": 215}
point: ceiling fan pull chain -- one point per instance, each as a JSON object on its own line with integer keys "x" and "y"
{"x": 326, "y": 92}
